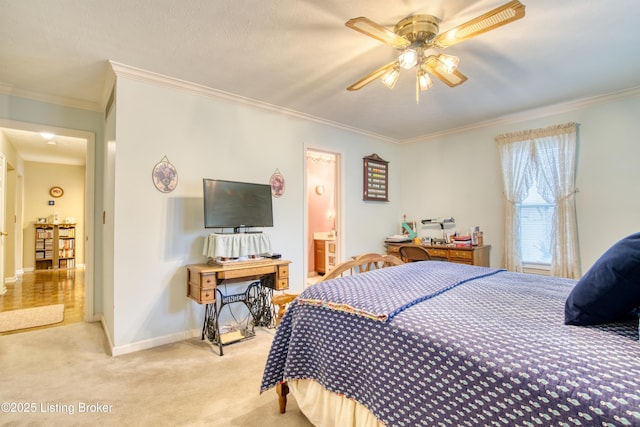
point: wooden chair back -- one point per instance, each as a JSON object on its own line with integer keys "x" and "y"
{"x": 410, "y": 253}
{"x": 362, "y": 263}
{"x": 359, "y": 264}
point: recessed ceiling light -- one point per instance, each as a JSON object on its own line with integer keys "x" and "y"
{"x": 47, "y": 135}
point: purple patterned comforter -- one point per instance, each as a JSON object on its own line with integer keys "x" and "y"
{"x": 383, "y": 294}
{"x": 490, "y": 350}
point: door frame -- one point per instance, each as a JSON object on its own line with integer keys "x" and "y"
{"x": 339, "y": 211}
{"x": 89, "y": 202}
{"x": 3, "y": 231}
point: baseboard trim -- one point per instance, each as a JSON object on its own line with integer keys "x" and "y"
{"x": 109, "y": 348}
{"x": 153, "y": 342}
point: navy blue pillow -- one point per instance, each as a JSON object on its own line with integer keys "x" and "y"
{"x": 610, "y": 289}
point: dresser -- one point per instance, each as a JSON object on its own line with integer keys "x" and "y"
{"x": 472, "y": 255}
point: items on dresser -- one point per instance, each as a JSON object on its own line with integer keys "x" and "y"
{"x": 398, "y": 238}
{"x": 438, "y": 229}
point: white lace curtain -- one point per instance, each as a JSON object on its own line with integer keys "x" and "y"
{"x": 548, "y": 156}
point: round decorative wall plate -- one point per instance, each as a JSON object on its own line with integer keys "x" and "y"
{"x": 165, "y": 176}
{"x": 277, "y": 184}
{"x": 56, "y": 191}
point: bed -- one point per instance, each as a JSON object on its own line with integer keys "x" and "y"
{"x": 434, "y": 343}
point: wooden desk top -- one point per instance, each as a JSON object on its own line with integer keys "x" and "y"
{"x": 237, "y": 265}
{"x": 202, "y": 279}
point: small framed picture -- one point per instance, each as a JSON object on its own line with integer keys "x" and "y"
{"x": 376, "y": 179}
{"x": 165, "y": 176}
{"x": 277, "y": 184}
{"x": 56, "y": 191}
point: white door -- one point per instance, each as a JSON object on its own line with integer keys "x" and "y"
{"x": 3, "y": 232}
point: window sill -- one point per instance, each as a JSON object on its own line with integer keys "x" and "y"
{"x": 541, "y": 269}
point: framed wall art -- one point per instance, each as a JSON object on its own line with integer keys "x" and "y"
{"x": 56, "y": 191}
{"x": 165, "y": 176}
{"x": 376, "y": 178}
{"x": 277, "y": 184}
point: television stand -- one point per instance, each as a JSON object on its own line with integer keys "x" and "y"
{"x": 236, "y": 230}
{"x": 203, "y": 282}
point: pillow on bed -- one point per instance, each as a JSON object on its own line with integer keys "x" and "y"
{"x": 610, "y": 290}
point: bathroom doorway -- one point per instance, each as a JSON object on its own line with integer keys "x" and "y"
{"x": 324, "y": 237}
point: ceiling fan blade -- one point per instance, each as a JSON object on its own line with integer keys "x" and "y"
{"x": 378, "y": 32}
{"x": 498, "y": 17}
{"x": 452, "y": 79}
{"x": 373, "y": 76}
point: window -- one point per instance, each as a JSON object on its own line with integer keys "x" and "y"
{"x": 546, "y": 157}
{"x": 536, "y": 216}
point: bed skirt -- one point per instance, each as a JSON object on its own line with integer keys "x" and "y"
{"x": 327, "y": 409}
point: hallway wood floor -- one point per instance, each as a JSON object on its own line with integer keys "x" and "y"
{"x": 45, "y": 287}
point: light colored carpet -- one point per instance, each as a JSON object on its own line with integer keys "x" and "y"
{"x": 62, "y": 373}
{"x": 31, "y": 317}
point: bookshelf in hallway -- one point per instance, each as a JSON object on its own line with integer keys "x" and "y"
{"x": 55, "y": 246}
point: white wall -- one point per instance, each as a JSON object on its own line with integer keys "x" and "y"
{"x": 459, "y": 175}
{"x": 156, "y": 234}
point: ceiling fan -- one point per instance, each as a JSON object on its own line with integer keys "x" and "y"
{"x": 417, "y": 38}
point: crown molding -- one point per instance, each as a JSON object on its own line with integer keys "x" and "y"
{"x": 122, "y": 70}
{"x": 107, "y": 90}
{"x": 49, "y": 99}
{"x": 531, "y": 114}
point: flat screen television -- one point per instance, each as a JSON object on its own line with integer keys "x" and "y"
{"x": 232, "y": 204}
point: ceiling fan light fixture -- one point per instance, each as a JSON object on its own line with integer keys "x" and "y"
{"x": 418, "y": 38}
{"x": 391, "y": 77}
{"x": 408, "y": 59}
{"x": 424, "y": 81}
{"x": 447, "y": 63}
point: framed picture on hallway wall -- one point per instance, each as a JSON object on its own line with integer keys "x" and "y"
{"x": 56, "y": 191}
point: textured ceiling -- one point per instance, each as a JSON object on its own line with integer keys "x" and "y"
{"x": 60, "y": 149}
{"x": 298, "y": 55}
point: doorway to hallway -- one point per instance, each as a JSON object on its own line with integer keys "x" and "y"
{"x": 46, "y": 161}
